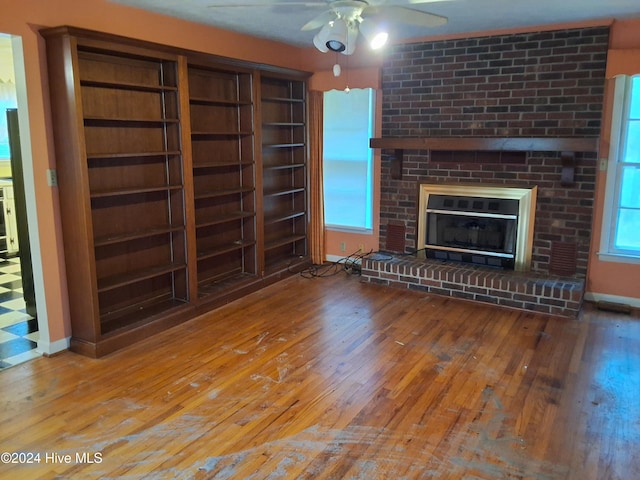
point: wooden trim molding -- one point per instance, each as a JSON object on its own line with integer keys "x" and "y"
{"x": 566, "y": 145}
{"x": 534, "y": 144}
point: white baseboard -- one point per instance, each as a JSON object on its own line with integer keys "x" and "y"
{"x": 337, "y": 258}
{"x": 605, "y": 297}
{"x": 50, "y": 348}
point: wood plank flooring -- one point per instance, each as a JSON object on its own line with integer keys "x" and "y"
{"x": 330, "y": 378}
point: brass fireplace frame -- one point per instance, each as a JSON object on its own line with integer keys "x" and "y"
{"x": 526, "y": 212}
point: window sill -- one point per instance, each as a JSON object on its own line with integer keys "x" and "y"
{"x": 618, "y": 258}
{"x": 340, "y": 228}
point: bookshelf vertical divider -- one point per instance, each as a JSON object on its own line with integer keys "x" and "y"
{"x": 187, "y": 166}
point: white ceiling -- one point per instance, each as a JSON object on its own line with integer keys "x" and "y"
{"x": 281, "y": 20}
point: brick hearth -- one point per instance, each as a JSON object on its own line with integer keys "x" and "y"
{"x": 527, "y": 291}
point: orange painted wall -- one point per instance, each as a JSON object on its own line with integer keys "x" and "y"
{"x": 611, "y": 278}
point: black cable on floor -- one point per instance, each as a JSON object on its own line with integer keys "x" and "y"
{"x": 351, "y": 264}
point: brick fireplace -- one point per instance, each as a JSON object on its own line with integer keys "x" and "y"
{"x": 544, "y": 85}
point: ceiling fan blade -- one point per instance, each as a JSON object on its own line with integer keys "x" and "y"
{"x": 319, "y": 3}
{"x": 319, "y": 21}
{"x": 417, "y": 2}
{"x": 407, "y": 15}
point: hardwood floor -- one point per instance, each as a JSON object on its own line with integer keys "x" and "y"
{"x": 329, "y": 378}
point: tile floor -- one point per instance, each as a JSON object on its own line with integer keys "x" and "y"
{"x": 18, "y": 330}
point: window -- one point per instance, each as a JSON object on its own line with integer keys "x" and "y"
{"x": 621, "y": 225}
{"x": 347, "y": 163}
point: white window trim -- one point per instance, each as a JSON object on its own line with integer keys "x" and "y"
{"x": 622, "y": 85}
{"x": 370, "y": 179}
{"x": 342, "y": 228}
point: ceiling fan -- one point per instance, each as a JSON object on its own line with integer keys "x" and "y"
{"x": 343, "y": 20}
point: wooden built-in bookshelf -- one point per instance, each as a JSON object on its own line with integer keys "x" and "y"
{"x": 284, "y": 172}
{"x": 182, "y": 180}
{"x": 222, "y": 133}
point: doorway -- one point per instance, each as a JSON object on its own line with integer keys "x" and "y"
{"x": 18, "y": 319}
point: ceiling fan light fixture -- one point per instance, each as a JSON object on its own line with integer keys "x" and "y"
{"x": 379, "y": 40}
{"x": 337, "y": 36}
{"x": 374, "y": 33}
{"x": 320, "y": 39}
{"x": 336, "y": 45}
{"x": 352, "y": 37}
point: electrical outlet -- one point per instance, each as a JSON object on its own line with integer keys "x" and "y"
{"x": 52, "y": 178}
{"x": 603, "y": 164}
{"x": 343, "y": 247}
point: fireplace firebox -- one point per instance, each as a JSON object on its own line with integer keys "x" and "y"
{"x": 472, "y": 229}
{"x": 484, "y": 225}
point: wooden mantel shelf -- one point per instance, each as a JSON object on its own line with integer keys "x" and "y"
{"x": 566, "y": 145}
{"x": 513, "y": 144}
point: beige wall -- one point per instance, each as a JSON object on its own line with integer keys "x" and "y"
{"x": 6, "y": 60}
{"x": 7, "y": 77}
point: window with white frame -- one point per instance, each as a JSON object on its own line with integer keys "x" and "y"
{"x": 621, "y": 223}
{"x": 347, "y": 159}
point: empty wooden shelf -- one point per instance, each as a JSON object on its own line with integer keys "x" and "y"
{"x": 182, "y": 181}
{"x": 284, "y": 172}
